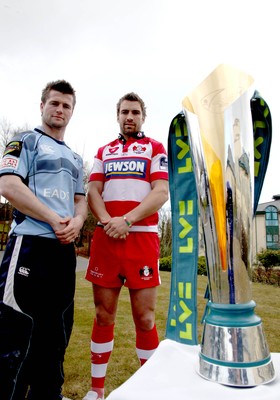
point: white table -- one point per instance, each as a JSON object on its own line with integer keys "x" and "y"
{"x": 171, "y": 374}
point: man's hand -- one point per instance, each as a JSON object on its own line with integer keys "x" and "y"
{"x": 117, "y": 228}
{"x": 69, "y": 229}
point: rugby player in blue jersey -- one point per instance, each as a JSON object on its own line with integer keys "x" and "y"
{"x": 43, "y": 179}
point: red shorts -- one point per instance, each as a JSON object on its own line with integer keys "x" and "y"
{"x": 133, "y": 262}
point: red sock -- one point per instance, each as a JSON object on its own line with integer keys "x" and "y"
{"x": 146, "y": 343}
{"x": 102, "y": 342}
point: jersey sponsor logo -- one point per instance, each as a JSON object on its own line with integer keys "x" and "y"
{"x": 146, "y": 273}
{"x": 163, "y": 163}
{"x": 56, "y": 193}
{"x": 13, "y": 148}
{"x": 138, "y": 149}
{"x": 127, "y": 167}
{"x": 24, "y": 271}
{"x": 9, "y": 162}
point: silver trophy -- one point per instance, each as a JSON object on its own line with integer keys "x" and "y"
{"x": 233, "y": 349}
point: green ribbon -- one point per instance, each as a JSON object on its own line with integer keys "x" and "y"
{"x": 182, "y": 316}
{"x": 262, "y": 129}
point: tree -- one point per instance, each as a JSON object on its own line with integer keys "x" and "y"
{"x": 7, "y": 131}
{"x": 165, "y": 232}
{"x": 5, "y": 134}
{"x": 87, "y": 170}
{"x": 269, "y": 258}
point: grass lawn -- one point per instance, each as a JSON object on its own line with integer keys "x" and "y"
{"x": 124, "y": 362}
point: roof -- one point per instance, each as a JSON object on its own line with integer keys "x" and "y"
{"x": 263, "y": 206}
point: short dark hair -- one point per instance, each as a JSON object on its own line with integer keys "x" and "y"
{"x": 132, "y": 97}
{"x": 61, "y": 86}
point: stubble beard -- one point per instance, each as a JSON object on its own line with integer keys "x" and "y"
{"x": 129, "y": 131}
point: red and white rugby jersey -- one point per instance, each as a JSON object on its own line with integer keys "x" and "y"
{"x": 127, "y": 170}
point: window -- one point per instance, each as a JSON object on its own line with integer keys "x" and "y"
{"x": 272, "y": 228}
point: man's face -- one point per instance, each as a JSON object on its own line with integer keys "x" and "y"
{"x": 130, "y": 117}
{"x": 57, "y": 110}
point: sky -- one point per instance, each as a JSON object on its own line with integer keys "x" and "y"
{"x": 160, "y": 49}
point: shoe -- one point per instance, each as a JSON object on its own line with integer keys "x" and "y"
{"x": 91, "y": 395}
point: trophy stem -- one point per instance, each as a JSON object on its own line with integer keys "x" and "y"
{"x": 234, "y": 350}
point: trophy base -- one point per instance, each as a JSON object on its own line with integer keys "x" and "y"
{"x": 238, "y": 377}
{"x": 234, "y": 350}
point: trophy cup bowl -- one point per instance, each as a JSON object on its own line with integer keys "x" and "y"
{"x": 234, "y": 351}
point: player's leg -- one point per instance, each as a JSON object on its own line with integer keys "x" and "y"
{"x": 103, "y": 271}
{"x": 14, "y": 347}
{"x": 142, "y": 279}
{"x": 102, "y": 337}
{"x": 143, "y": 302}
{"x": 53, "y": 287}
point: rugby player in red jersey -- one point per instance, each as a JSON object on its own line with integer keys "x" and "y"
{"x": 128, "y": 184}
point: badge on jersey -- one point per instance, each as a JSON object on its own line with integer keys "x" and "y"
{"x": 163, "y": 164}
{"x": 9, "y": 162}
{"x": 13, "y": 149}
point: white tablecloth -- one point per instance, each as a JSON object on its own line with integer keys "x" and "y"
{"x": 171, "y": 374}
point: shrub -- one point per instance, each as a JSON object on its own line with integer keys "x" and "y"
{"x": 269, "y": 258}
{"x": 269, "y": 276}
{"x": 201, "y": 267}
{"x": 165, "y": 263}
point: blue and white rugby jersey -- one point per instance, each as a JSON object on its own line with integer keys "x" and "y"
{"x": 51, "y": 170}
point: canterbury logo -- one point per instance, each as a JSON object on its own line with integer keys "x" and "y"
{"x": 24, "y": 271}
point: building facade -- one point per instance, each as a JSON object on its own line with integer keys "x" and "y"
{"x": 266, "y": 227}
